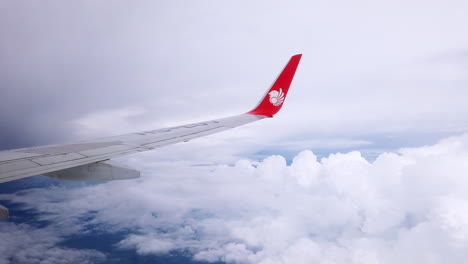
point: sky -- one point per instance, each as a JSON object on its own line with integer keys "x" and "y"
{"x": 364, "y": 164}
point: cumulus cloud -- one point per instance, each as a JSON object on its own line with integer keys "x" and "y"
{"x": 403, "y": 207}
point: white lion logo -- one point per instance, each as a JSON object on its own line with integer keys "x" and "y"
{"x": 276, "y": 98}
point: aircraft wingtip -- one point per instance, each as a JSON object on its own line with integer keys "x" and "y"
{"x": 272, "y": 102}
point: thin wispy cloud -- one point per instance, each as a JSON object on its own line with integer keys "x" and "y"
{"x": 22, "y": 243}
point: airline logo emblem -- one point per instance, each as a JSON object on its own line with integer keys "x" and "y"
{"x": 276, "y": 98}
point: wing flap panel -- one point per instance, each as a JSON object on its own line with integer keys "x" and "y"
{"x": 106, "y": 150}
{"x": 12, "y": 155}
{"x": 70, "y": 148}
{"x": 57, "y": 158}
{"x": 16, "y": 166}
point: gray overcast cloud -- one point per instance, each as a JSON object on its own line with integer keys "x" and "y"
{"x": 368, "y": 68}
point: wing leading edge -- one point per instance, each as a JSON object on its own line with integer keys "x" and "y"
{"x": 87, "y": 160}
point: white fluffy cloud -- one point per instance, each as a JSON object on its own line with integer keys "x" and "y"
{"x": 405, "y": 207}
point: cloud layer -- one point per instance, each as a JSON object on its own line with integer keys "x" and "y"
{"x": 405, "y": 207}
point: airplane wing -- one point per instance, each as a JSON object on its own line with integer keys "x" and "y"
{"x": 88, "y": 160}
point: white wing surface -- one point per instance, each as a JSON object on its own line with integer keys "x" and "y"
{"x": 88, "y": 160}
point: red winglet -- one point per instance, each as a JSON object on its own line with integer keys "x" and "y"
{"x": 275, "y": 96}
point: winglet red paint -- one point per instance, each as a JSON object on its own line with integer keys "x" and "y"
{"x": 275, "y": 96}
